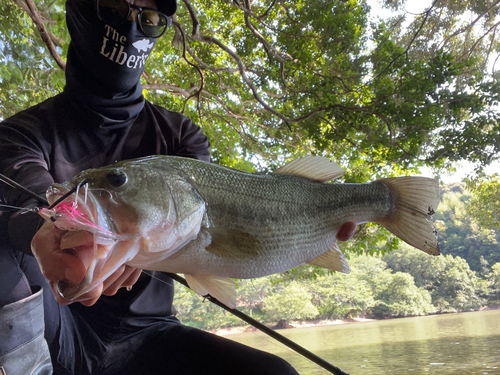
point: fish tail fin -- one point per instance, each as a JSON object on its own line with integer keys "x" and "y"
{"x": 415, "y": 200}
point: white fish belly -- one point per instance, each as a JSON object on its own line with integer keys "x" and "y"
{"x": 276, "y": 257}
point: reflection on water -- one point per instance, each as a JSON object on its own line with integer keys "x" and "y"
{"x": 466, "y": 343}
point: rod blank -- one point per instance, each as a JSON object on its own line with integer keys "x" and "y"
{"x": 268, "y": 331}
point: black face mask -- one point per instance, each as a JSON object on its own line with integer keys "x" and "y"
{"x": 108, "y": 60}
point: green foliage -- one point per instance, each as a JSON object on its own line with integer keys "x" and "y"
{"x": 28, "y": 74}
{"x": 406, "y": 282}
{"x": 458, "y": 287}
{"x": 289, "y": 78}
{"x": 484, "y": 204}
{"x": 450, "y": 281}
{"x": 419, "y": 285}
{"x": 460, "y": 234}
{"x": 336, "y": 298}
{"x": 494, "y": 282}
{"x": 401, "y": 297}
{"x": 251, "y": 294}
{"x": 291, "y": 302}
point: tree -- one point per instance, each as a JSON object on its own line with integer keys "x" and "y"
{"x": 340, "y": 296}
{"x": 401, "y": 297}
{"x": 458, "y": 288}
{"x": 196, "y": 312}
{"x": 28, "y": 72}
{"x": 484, "y": 204}
{"x": 425, "y": 270}
{"x": 292, "y": 302}
{"x": 450, "y": 281}
{"x": 494, "y": 282}
{"x": 460, "y": 234}
{"x": 270, "y": 81}
{"x": 274, "y": 80}
{"x": 251, "y": 294}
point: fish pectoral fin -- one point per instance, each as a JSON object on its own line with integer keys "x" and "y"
{"x": 333, "y": 259}
{"x": 221, "y": 288}
{"x": 231, "y": 243}
{"x": 316, "y": 168}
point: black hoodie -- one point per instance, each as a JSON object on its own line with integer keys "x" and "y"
{"x": 95, "y": 121}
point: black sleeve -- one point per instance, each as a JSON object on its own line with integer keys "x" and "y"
{"x": 181, "y": 136}
{"x": 193, "y": 142}
{"x": 22, "y": 160}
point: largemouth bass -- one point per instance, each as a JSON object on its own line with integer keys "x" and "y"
{"x": 213, "y": 223}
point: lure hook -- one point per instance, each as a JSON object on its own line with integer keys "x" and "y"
{"x": 53, "y": 205}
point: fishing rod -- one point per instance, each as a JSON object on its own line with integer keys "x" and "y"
{"x": 41, "y": 200}
{"x": 261, "y": 327}
{"x": 268, "y": 331}
{"x": 17, "y": 185}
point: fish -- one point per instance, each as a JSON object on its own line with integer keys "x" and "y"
{"x": 214, "y": 224}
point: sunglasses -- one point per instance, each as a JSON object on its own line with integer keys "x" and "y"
{"x": 152, "y": 22}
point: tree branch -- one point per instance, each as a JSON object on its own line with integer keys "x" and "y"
{"x": 184, "y": 43}
{"x": 31, "y": 9}
{"x": 468, "y": 27}
{"x": 427, "y": 12}
{"x": 194, "y": 18}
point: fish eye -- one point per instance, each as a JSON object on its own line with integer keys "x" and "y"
{"x": 117, "y": 178}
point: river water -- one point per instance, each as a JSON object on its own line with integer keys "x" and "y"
{"x": 464, "y": 343}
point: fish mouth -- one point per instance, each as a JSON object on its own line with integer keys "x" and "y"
{"x": 89, "y": 234}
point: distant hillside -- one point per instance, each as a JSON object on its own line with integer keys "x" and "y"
{"x": 460, "y": 234}
{"x": 456, "y": 187}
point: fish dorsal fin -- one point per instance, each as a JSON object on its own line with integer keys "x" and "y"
{"x": 221, "y": 288}
{"x": 333, "y": 259}
{"x": 316, "y": 168}
{"x": 231, "y": 243}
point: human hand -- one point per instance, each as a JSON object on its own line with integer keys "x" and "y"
{"x": 71, "y": 264}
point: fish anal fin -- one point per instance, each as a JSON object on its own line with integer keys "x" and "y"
{"x": 316, "y": 168}
{"x": 333, "y": 259}
{"x": 221, "y": 288}
{"x": 231, "y": 243}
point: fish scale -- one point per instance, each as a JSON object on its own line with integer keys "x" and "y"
{"x": 303, "y": 225}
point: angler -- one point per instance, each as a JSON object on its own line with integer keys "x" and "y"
{"x": 100, "y": 117}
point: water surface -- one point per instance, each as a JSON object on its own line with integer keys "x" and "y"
{"x": 464, "y": 343}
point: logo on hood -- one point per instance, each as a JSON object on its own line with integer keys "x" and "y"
{"x": 116, "y": 48}
{"x": 143, "y": 45}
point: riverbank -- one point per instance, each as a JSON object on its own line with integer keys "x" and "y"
{"x": 325, "y": 322}
{"x": 291, "y": 324}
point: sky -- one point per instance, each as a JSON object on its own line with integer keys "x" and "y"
{"x": 463, "y": 169}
